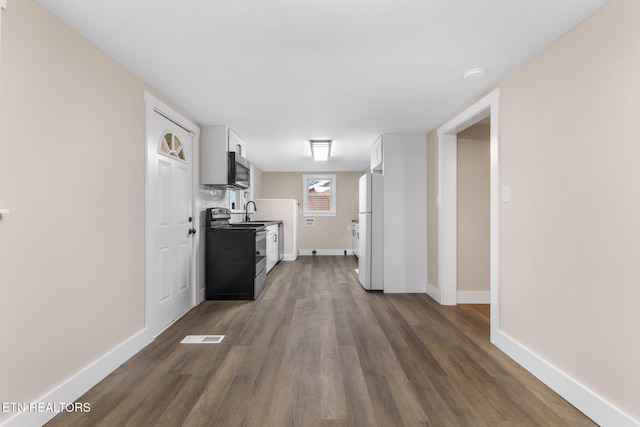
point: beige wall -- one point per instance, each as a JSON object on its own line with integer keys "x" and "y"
{"x": 473, "y": 208}
{"x": 330, "y": 232}
{"x": 569, "y": 151}
{"x": 569, "y": 236}
{"x": 72, "y": 171}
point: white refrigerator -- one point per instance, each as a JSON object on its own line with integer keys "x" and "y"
{"x": 370, "y": 258}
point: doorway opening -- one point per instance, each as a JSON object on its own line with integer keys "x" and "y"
{"x": 473, "y": 169}
{"x": 484, "y": 109}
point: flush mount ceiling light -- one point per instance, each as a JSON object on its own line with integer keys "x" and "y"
{"x": 320, "y": 149}
{"x": 474, "y": 74}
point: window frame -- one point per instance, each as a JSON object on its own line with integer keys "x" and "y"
{"x": 179, "y": 154}
{"x": 241, "y": 197}
{"x": 305, "y": 194}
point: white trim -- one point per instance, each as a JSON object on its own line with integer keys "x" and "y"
{"x": 323, "y": 252}
{"x": 70, "y": 390}
{"x": 433, "y": 292}
{"x": 474, "y": 297}
{"x": 289, "y": 257}
{"x": 3, "y": 5}
{"x": 154, "y": 104}
{"x": 587, "y": 401}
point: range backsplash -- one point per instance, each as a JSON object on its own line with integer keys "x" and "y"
{"x": 214, "y": 197}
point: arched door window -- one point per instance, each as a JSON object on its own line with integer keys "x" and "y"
{"x": 171, "y": 146}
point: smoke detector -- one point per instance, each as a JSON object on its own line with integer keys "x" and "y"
{"x": 474, "y": 74}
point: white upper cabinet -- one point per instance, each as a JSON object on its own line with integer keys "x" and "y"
{"x": 217, "y": 142}
{"x": 236, "y": 144}
{"x": 377, "y": 156}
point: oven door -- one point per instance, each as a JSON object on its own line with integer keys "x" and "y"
{"x": 239, "y": 170}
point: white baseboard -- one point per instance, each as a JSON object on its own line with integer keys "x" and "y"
{"x": 70, "y": 390}
{"x": 588, "y": 402}
{"x": 474, "y": 297}
{"x": 323, "y": 252}
{"x": 433, "y": 292}
{"x": 290, "y": 257}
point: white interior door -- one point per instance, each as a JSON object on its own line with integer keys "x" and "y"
{"x": 171, "y": 290}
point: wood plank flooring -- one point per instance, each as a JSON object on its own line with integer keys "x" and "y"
{"x": 317, "y": 350}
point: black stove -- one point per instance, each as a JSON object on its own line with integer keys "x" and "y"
{"x": 235, "y": 257}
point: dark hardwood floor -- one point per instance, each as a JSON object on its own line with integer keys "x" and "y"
{"x": 317, "y": 350}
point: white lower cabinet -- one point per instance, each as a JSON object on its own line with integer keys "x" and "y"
{"x": 355, "y": 238}
{"x": 272, "y": 246}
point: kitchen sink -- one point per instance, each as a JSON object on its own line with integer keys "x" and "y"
{"x": 252, "y": 223}
{"x": 262, "y": 221}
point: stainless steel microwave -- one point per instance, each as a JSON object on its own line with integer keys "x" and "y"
{"x": 239, "y": 170}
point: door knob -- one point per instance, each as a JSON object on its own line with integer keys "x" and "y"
{"x": 192, "y": 231}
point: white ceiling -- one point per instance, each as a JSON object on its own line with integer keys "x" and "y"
{"x": 281, "y": 72}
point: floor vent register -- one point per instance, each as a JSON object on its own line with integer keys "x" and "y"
{"x": 202, "y": 339}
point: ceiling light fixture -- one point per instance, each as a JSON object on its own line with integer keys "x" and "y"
{"x": 320, "y": 149}
{"x": 474, "y": 74}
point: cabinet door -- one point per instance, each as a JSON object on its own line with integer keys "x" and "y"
{"x": 236, "y": 144}
{"x": 355, "y": 233}
{"x": 280, "y": 242}
{"x": 272, "y": 246}
{"x": 377, "y": 160}
{"x": 214, "y": 155}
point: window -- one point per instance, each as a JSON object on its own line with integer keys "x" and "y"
{"x": 319, "y": 194}
{"x": 171, "y": 146}
{"x": 237, "y": 199}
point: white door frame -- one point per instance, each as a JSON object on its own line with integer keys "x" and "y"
{"x": 3, "y": 5}
{"x": 488, "y": 106}
{"x": 153, "y": 106}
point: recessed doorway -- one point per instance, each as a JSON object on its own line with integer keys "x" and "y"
{"x": 474, "y": 194}
{"x": 485, "y": 108}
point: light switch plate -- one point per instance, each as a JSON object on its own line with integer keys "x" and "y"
{"x": 506, "y": 195}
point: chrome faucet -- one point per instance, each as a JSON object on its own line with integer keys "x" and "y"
{"x": 246, "y": 210}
